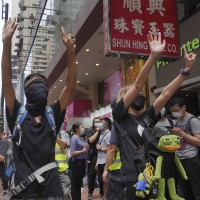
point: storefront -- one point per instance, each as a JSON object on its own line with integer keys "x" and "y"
{"x": 189, "y": 32}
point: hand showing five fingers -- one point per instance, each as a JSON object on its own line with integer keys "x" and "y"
{"x": 68, "y": 40}
{"x": 9, "y": 29}
{"x": 155, "y": 43}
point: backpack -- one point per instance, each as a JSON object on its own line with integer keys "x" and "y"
{"x": 188, "y": 125}
{"x": 16, "y": 137}
{"x": 148, "y": 151}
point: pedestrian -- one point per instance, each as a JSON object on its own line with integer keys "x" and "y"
{"x": 37, "y": 147}
{"x": 4, "y": 146}
{"x": 78, "y": 150}
{"x": 62, "y": 143}
{"x": 189, "y": 132}
{"x": 102, "y": 146}
{"x": 127, "y": 112}
{"x": 112, "y": 175}
{"x": 93, "y": 138}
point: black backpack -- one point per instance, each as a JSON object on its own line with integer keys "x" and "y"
{"x": 149, "y": 151}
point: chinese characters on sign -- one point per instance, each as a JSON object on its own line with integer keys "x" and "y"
{"x": 131, "y": 20}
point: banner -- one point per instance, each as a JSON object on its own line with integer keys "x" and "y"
{"x": 127, "y": 23}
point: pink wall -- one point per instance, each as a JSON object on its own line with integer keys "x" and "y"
{"x": 78, "y": 108}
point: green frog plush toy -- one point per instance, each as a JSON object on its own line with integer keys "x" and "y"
{"x": 165, "y": 167}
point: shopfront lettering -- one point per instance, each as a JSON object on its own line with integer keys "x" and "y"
{"x": 190, "y": 46}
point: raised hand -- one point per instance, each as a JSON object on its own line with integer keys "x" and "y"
{"x": 9, "y": 29}
{"x": 189, "y": 59}
{"x": 155, "y": 43}
{"x": 68, "y": 40}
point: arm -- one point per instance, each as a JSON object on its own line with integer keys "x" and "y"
{"x": 8, "y": 90}
{"x": 112, "y": 148}
{"x": 62, "y": 144}
{"x": 192, "y": 139}
{"x": 77, "y": 153}
{"x": 73, "y": 151}
{"x": 171, "y": 88}
{"x": 2, "y": 158}
{"x": 94, "y": 137}
{"x": 70, "y": 85}
{"x": 157, "y": 48}
{"x": 157, "y": 174}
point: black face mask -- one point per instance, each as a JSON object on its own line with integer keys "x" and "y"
{"x": 138, "y": 102}
{"x": 36, "y": 93}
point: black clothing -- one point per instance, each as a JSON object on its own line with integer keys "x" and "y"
{"x": 78, "y": 173}
{"x": 129, "y": 171}
{"x": 92, "y": 173}
{"x": 37, "y": 149}
{"x": 100, "y": 179}
{"x": 92, "y": 158}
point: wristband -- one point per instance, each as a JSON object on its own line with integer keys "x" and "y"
{"x": 184, "y": 72}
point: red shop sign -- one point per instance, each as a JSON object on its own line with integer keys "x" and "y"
{"x": 127, "y": 23}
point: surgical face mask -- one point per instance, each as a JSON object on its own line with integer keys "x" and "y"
{"x": 101, "y": 126}
{"x": 82, "y": 130}
{"x": 36, "y": 93}
{"x": 178, "y": 114}
{"x": 96, "y": 125}
{"x": 162, "y": 112}
{"x": 138, "y": 102}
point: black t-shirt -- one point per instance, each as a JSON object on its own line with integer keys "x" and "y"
{"x": 4, "y": 145}
{"x": 92, "y": 152}
{"x": 134, "y": 131}
{"x": 37, "y": 149}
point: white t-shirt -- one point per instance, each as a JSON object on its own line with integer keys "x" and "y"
{"x": 104, "y": 142}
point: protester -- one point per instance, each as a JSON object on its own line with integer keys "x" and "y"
{"x": 78, "y": 150}
{"x": 102, "y": 146}
{"x": 37, "y": 148}
{"x": 62, "y": 143}
{"x": 115, "y": 188}
{"x": 93, "y": 138}
{"x": 130, "y": 102}
{"x": 4, "y": 146}
{"x": 189, "y": 132}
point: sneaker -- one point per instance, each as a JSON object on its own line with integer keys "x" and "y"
{"x": 89, "y": 196}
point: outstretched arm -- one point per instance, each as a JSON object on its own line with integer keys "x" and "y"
{"x": 157, "y": 48}
{"x": 70, "y": 84}
{"x": 8, "y": 90}
{"x": 171, "y": 88}
{"x": 180, "y": 168}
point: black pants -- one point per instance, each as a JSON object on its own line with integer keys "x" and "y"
{"x": 100, "y": 178}
{"x": 92, "y": 173}
{"x": 115, "y": 190}
{"x": 78, "y": 173}
{"x": 191, "y": 188}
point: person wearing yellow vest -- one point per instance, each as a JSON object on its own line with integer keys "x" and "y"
{"x": 62, "y": 143}
{"x": 112, "y": 175}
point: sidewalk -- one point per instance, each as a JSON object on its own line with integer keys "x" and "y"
{"x": 96, "y": 196}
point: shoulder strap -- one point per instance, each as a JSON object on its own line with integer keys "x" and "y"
{"x": 22, "y": 112}
{"x": 51, "y": 118}
{"x": 188, "y": 125}
{"x": 103, "y": 138}
{"x": 36, "y": 175}
{"x": 125, "y": 136}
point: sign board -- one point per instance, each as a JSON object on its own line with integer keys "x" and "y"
{"x": 127, "y": 23}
